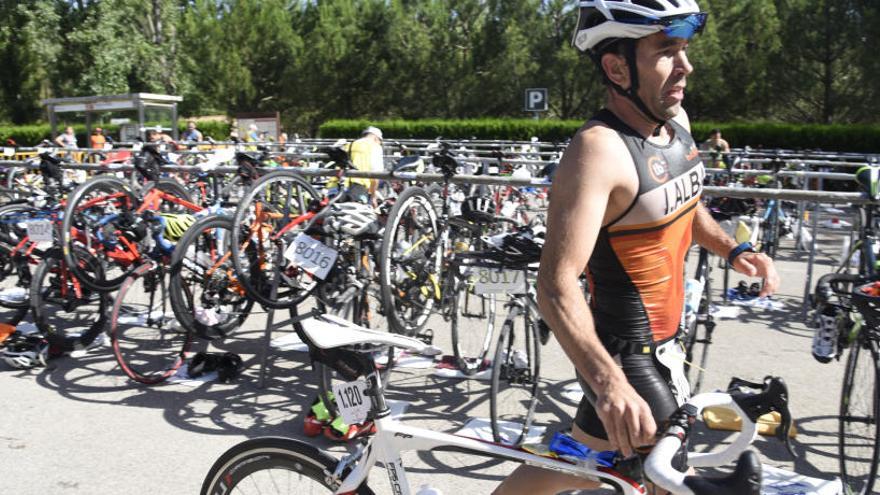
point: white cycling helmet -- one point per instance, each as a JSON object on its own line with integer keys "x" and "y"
{"x": 601, "y": 20}
{"x": 25, "y": 351}
{"x": 601, "y": 23}
{"x": 351, "y": 218}
{"x": 479, "y": 209}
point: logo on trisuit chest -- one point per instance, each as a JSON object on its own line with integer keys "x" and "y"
{"x": 658, "y": 167}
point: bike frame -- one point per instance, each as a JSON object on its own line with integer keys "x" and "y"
{"x": 393, "y": 437}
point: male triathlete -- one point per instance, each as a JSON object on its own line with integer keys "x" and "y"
{"x": 625, "y": 208}
{"x": 715, "y": 142}
{"x": 718, "y": 146}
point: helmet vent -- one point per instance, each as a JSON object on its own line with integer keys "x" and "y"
{"x": 653, "y": 5}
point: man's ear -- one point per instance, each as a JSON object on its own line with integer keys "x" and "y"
{"x": 616, "y": 69}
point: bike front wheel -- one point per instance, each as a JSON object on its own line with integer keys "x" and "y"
{"x": 274, "y": 211}
{"x": 515, "y": 376}
{"x": 859, "y": 437}
{"x": 409, "y": 262}
{"x": 149, "y": 344}
{"x": 274, "y": 466}
{"x": 472, "y": 324}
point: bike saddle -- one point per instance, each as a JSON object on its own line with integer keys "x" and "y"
{"x": 244, "y": 156}
{"x": 868, "y": 179}
{"x": 745, "y": 479}
{"x": 338, "y": 156}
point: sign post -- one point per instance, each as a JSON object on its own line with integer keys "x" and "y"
{"x": 536, "y": 101}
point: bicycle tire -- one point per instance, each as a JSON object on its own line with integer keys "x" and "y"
{"x": 220, "y": 291}
{"x": 16, "y": 269}
{"x": 860, "y": 445}
{"x": 470, "y": 346}
{"x": 409, "y": 288}
{"x": 516, "y": 370}
{"x": 258, "y": 458}
{"x": 147, "y": 346}
{"x": 173, "y": 188}
{"x": 691, "y": 339}
{"x": 114, "y": 272}
{"x": 255, "y": 275}
{"x": 704, "y": 311}
{"x": 49, "y": 302}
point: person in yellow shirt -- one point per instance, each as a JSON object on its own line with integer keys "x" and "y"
{"x": 366, "y": 155}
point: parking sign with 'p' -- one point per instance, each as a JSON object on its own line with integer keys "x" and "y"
{"x": 536, "y": 100}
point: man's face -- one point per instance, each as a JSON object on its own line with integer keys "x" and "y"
{"x": 69, "y": 130}
{"x": 663, "y": 68}
{"x": 191, "y": 126}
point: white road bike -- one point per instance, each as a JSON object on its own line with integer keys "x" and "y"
{"x": 288, "y": 466}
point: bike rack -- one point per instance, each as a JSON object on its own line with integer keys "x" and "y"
{"x": 803, "y": 196}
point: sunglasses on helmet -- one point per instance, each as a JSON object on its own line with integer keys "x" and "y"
{"x": 684, "y": 27}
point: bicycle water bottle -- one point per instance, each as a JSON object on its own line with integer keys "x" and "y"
{"x": 428, "y": 490}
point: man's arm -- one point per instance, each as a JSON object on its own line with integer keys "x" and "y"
{"x": 581, "y": 192}
{"x": 710, "y": 235}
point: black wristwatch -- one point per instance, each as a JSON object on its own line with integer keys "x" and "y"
{"x": 745, "y": 247}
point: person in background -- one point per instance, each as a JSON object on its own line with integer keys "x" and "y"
{"x": 366, "y": 155}
{"x": 716, "y": 142}
{"x": 157, "y": 135}
{"x": 718, "y": 147}
{"x": 97, "y": 139}
{"x": 192, "y": 133}
{"x": 253, "y": 134}
{"x": 68, "y": 139}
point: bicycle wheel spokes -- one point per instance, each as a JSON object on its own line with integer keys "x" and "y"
{"x": 62, "y": 305}
{"x": 16, "y": 266}
{"x": 100, "y": 220}
{"x": 205, "y": 292}
{"x": 269, "y": 218}
{"x": 473, "y": 319}
{"x": 410, "y": 262}
{"x": 265, "y": 466}
{"x": 515, "y": 375}
{"x": 859, "y": 440}
{"x": 149, "y": 344}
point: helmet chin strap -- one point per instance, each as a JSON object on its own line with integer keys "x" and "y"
{"x": 633, "y": 92}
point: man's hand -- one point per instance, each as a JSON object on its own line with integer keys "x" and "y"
{"x": 758, "y": 265}
{"x": 626, "y": 417}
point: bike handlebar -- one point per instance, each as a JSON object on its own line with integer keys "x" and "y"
{"x": 741, "y": 398}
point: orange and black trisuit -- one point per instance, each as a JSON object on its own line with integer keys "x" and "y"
{"x": 636, "y": 272}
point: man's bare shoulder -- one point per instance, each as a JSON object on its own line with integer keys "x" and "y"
{"x": 595, "y": 152}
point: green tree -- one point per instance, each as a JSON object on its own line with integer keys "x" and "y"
{"x": 30, "y": 43}
{"x": 748, "y": 44}
{"x": 820, "y": 81}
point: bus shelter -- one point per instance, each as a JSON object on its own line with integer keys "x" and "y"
{"x": 146, "y": 106}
